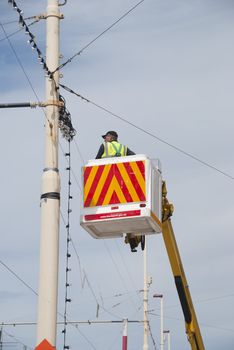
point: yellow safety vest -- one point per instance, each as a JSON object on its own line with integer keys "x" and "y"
{"x": 114, "y": 149}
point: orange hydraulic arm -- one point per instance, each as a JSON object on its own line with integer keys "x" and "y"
{"x": 191, "y": 324}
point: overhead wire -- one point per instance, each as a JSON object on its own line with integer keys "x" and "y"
{"x": 19, "y": 62}
{"x": 23, "y": 69}
{"x": 17, "y": 31}
{"x": 98, "y": 36}
{"x": 15, "y": 21}
{"x": 17, "y": 340}
{"x": 18, "y": 277}
{"x": 151, "y": 336}
{"x": 200, "y": 323}
{"x": 178, "y": 149}
{"x": 126, "y": 267}
{"x": 119, "y": 273}
{"x": 85, "y": 337}
{"x": 202, "y": 300}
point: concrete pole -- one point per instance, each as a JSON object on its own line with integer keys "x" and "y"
{"x": 125, "y": 335}
{"x": 50, "y": 198}
{"x": 145, "y": 299}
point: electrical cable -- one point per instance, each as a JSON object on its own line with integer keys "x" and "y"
{"x": 151, "y": 336}
{"x": 24, "y": 71}
{"x": 200, "y": 324}
{"x": 202, "y": 300}
{"x": 14, "y": 21}
{"x": 19, "y": 62}
{"x": 98, "y": 36}
{"x": 126, "y": 267}
{"x": 18, "y": 277}
{"x": 118, "y": 271}
{"x": 84, "y": 336}
{"x": 17, "y": 340}
{"x": 180, "y": 150}
{"x": 17, "y": 31}
{"x": 78, "y": 150}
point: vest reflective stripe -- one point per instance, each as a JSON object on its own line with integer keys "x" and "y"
{"x": 112, "y": 148}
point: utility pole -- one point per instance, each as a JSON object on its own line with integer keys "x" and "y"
{"x": 50, "y": 198}
{"x": 145, "y": 300}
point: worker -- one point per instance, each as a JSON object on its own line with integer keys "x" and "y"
{"x": 112, "y": 148}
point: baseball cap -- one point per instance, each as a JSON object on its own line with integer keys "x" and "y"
{"x": 112, "y": 133}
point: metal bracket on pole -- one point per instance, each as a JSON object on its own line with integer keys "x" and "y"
{"x": 56, "y": 103}
{"x": 61, "y": 16}
{"x": 41, "y": 16}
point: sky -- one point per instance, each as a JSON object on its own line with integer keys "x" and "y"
{"x": 167, "y": 68}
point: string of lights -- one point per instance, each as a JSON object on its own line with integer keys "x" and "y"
{"x": 68, "y": 254}
{"x": 180, "y": 150}
{"x": 64, "y": 122}
{"x": 31, "y": 39}
{"x": 98, "y": 36}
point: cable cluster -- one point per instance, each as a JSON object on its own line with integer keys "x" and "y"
{"x": 31, "y": 40}
{"x": 64, "y": 122}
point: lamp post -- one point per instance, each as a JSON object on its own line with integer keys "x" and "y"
{"x": 168, "y": 339}
{"x": 145, "y": 300}
{"x": 161, "y": 319}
